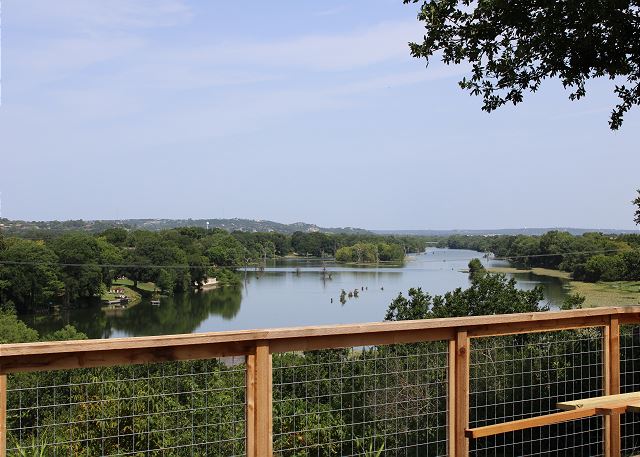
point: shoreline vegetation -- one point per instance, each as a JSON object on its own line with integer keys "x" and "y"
{"x": 604, "y": 268}
{"x": 614, "y": 293}
{"x": 70, "y": 268}
{"x": 125, "y": 287}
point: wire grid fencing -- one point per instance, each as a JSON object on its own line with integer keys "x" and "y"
{"x": 380, "y": 400}
{"x": 194, "y": 408}
{"x": 630, "y": 382}
{"x": 521, "y": 376}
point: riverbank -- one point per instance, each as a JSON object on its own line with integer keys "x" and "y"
{"x": 617, "y": 293}
{"x": 133, "y": 296}
{"x": 125, "y": 287}
{"x": 142, "y": 286}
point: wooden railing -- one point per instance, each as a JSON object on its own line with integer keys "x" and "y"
{"x": 259, "y": 345}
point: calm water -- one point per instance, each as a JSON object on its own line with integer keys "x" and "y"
{"x": 289, "y": 292}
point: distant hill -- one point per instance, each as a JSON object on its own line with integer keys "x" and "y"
{"x": 513, "y": 231}
{"x": 246, "y": 225}
{"x": 252, "y": 225}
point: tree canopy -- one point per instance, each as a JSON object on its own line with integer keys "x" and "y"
{"x": 513, "y": 46}
{"x": 489, "y": 293}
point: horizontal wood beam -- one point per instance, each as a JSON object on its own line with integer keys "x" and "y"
{"x": 570, "y": 323}
{"x": 602, "y": 401}
{"x": 367, "y": 339}
{"x": 120, "y": 357}
{"x": 611, "y": 410}
{"x": 630, "y": 317}
{"x": 123, "y": 351}
{"x": 522, "y": 424}
{"x": 633, "y": 407}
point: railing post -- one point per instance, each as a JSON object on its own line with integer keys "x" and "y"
{"x": 451, "y": 400}
{"x": 3, "y": 415}
{"x": 612, "y": 385}
{"x": 462, "y": 355}
{"x": 250, "y": 425}
{"x": 260, "y": 403}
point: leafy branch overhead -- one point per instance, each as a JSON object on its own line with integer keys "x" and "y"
{"x": 514, "y": 45}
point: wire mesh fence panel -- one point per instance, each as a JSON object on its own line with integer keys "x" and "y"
{"x": 630, "y": 382}
{"x": 194, "y": 408}
{"x": 521, "y": 376}
{"x": 382, "y": 400}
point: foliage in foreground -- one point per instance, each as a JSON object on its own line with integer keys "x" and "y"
{"x": 488, "y": 294}
{"x": 512, "y": 47}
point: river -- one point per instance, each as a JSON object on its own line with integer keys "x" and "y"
{"x": 289, "y": 292}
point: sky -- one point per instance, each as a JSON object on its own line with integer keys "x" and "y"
{"x": 288, "y": 111}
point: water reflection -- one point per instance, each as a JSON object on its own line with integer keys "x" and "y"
{"x": 181, "y": 314}
{"x": 290, "y": 292}
{"x": 178, "y": 314}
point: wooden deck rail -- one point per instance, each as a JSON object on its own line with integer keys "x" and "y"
{"x": 258, "y": 345}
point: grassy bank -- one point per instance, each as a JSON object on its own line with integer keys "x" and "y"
{"x": 134, "y": 297}
{"x": 616, "y": 293}
{"x": 144, "y": 286}
{"x": 133, "y": 293}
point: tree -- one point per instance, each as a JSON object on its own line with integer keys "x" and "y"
{"x": 573, "y": 301}
{"x": 13, "y": 330}
{"x": 476, "y": 268}
{"x": 490, "y": 293}
{"x": 223, "y": 249}
{"x": 33, "y": 280}
{"x": 514, "y": 46}
{"x": 156, "y": 257}
{"x": 109, "y": 254}
{"x": 116, "y": 235}
{"x": 636, "y": 202}
{"x": 80, "y": 253}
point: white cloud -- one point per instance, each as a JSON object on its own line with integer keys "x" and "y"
{"x": 59, "y": 58}
{"x": 393, "y": 80}
{"x": 336, "y": 52}
{"x": 331, "y": 11}
{"x": 83, "y": 15}
{"x": 117, "y": 73}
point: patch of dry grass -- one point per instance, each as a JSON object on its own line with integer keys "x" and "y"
{"x": 618, "y": 293}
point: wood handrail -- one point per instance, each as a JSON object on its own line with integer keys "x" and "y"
{"x": 124, "y": 351}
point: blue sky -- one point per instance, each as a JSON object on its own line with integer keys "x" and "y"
{"x": 290, "y": 111}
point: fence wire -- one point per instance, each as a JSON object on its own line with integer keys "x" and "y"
{"x": 381, "y": 400}
{"x": 163, "y": 409}
{"x": 521, "y": 376}
{"x": 630, "y": 382}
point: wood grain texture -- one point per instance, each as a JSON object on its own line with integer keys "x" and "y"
{"x": 250, "y": 412}
{"x": 126, "y": 351}
{"x": 462, "y": 393}
{"x": 633, "y": 407}
{"x": 451, "y": 399}
{"x": 538, "y": 421}
{"x": 308, "y": 332}
{"x": 606, "y": 388}
{"x": 614, "y": 384}
{"x": 264, "y": 402}
{"x": 3, "y": 415}
{"x": 603, "y": 401}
